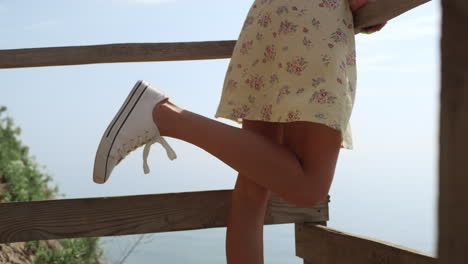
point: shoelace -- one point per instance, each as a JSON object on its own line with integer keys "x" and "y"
{"x": 170, "y": 152}
{"x": 127, "y": 148}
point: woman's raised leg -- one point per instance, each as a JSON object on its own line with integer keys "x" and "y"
{"x": 244, "y": 233}
{"x": 285, "y": 171}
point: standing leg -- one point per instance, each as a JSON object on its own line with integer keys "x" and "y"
{"x": 244, "y": 233}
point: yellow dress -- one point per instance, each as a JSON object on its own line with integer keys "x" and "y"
{"x": 294, "y": 60}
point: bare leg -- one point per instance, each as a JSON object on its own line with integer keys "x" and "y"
{"x": 273, "y": 166}
{"x": 244, "y": 233}
{"x": 300, "y": 170}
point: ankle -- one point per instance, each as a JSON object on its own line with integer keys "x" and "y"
{"x": 158, "y": 111}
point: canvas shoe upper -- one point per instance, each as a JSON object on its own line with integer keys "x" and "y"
{"x": 131, "y": 128}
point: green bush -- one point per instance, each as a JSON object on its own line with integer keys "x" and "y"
{"x": 26, "y": 182}
{"x": 75, "y": 250}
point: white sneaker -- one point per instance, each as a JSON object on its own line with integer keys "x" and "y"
{"x": 131, "y": 128}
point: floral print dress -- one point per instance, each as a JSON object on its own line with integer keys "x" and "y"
{"x": 294, "y": 60}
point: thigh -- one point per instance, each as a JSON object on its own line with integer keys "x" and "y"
{"x": 272, "y": 131}
{"x": 317, "y": 147}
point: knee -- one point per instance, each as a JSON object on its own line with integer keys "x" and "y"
{"x": 310, "y": 192}
{"x": 251, "y": 193}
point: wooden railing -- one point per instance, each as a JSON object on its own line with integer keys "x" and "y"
{"x": 371, "y": 14}
{"x": 140, "y": 214}
{"x": 125, "y": 215}
{"x": 323, "y": 245}
{"x": 110, "y": 216}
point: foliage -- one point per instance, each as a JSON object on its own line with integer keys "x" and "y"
{"x": 26, "y": 182}
{"x": 74, "y": 250}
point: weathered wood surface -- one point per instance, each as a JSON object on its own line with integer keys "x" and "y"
{"x": 371, "y": 14}
{"x": 323, "y": 245}
{"x": 453, "y": 131}
{"x": 108, "y": 53}
{"x": 124, "y": 215}
{"x": 382, "y": 10}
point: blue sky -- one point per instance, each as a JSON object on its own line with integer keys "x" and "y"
{"x": 389, "y": 177}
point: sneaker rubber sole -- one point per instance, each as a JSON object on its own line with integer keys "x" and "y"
{"x": 107, "y": 141}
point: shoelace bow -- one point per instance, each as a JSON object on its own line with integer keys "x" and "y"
{"x": 133, "y": 144}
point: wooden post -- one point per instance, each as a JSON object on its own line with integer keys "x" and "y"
{"x": 453, "y": 141}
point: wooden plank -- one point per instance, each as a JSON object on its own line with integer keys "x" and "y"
{"x": 108, "y": 53}
{"x": 124, "y": 215}
{"x": 453, "y": 131}
{"x": 371, "y": 14}
{"x": 324, "y": 245}
{"x": 382, "y": 10}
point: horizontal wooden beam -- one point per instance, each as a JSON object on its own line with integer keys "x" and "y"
{"x": 325, "y": 245}
{"x": 124, "y": 215}
{"x": 108, "y": 53}
{"x": 371, "y": 14}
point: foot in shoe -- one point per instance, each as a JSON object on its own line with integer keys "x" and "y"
{"x": 131, "y": 127}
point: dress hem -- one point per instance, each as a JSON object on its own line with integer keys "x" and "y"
{"x": 239, "y": 121}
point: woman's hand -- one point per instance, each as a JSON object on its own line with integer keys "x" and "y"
{"x": 355, "y": 5}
